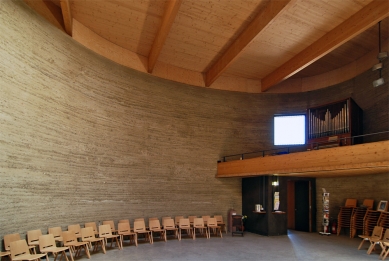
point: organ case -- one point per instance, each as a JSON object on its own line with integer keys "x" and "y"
{"x": 334, "y": 123}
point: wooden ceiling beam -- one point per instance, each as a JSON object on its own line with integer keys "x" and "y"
{"x": 356, "y": 24}
{"x": 273, "y": 9}
{"x": 67, "y": 16}
{"x": 167, "y": 21}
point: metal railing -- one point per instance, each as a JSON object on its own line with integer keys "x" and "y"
{"x": 358, "y": 139}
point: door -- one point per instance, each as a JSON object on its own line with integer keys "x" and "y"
{"x": 302, "y": 205}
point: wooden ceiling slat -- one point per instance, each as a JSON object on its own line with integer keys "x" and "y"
{"x": 67, "y": 16}
{"x": 167, "y": 21}
{"x": 272, "y": 10}
{"x": 357, "y": 23}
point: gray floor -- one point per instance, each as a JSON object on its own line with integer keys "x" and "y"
{"x": 295, "y": 246}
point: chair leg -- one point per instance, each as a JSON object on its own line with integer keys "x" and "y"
{"x": 363, "y": 241}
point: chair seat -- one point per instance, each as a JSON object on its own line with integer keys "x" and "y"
{"x": 28, "y": 257}
{"x": 7, "y": 253}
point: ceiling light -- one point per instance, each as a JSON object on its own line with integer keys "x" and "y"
{"x": 381, "y": 56}
{"x": 378, "y": 82}
{"x": 377, "y": 66}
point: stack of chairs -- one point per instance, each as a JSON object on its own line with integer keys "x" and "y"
{"x": 345, "y": 213}
{"x": 358, "y": 215}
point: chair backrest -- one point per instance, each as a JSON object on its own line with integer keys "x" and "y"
{"x": 205, "y": 218}
{"x": 152, "y": 218}
{"x": 219, "y": 219}
{"x": 154, "y": 224}
{"x": 93, "y": 226}
{"x": 124, "y": 228}
{"x": 69, "y": 237}
{"x": 351, "y": 202}
{"x": 198, "y": 222}
{"x": 19, "y": 247}
{"x": 377, "y": 232}
{"x": 177, "y": 219}
{"x": 191, "y": 219}
{"x": 386, "y": 235}
{"x": 87, "y": 233}
{"x": 139, "y": 225}
{"x": 184, "y": 223}
{"x": 10, "y": 238}
{"x": 110, "y": 223}
{"x": 139, "y": 219}
{"x": 163, "y": 218}
{"x": 46, "y": 241}
{"x": 124, "y": 221}
{"x": 105, "y": 230}
{"x": 211, "y": 222}
{"x": 55, "y": 231}
{"x": 33, "y": 236}
{"x": 368, "y": 203}
{"x": 75, "y": 228}
{"x": 168, "y": 223}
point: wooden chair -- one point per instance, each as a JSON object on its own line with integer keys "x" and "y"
{"x": 33, "y": 238}
{"x": 124, "y": 229}
{"x": 374, "y": 241}
{"x": 169, "y": 226}
{"x": 105, "y": 231}
{"x": 205, "y": 218}
{"x": 57, "y": 233}
{"x": 76, "y": 229}
{"x": 198, "y": 225}
{"x": 177, "y": 220}
{"x": 155, "y": 227}
{"x": 20, "y": 251}
{"x": 140, "y": 229}
{"x": 70, "y": 240}
{"x": 214, "y": 227}
{"x": 184, "y": 225}
{"x": 112, "y": 225}
{"x": 93, "y": 226}
{"x": 47, "y": 244}
{"x": 163, "y": 218}
{"x": 88, "y": 235}
{"x": 191, "y": 219}
{"x": 220, "y": 222}
{"x": 376, "y": 235}
{"x": 11, "y": 238}
{"x": 384, "y": 243}
{"x": 5, "y": 254}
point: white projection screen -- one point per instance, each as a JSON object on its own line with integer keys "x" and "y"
{"x": 289, "y": 129}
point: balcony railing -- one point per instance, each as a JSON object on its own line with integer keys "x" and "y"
{"x": 366, "y": 138}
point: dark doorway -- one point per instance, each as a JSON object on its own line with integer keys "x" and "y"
{"x": 302, "y": 203}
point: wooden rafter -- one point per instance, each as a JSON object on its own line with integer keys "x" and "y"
{"x": 67, "y": 16}
{"x": 167, "y": 21}
{"x": 273, "y": 9}
{"x": 356, "y": 24}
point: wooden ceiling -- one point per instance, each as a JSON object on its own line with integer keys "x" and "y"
{"x": 264, "y": 40}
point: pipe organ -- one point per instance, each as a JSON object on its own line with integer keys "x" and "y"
{"x": 334, "y": 121}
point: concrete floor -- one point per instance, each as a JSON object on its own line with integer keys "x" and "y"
{"x": 295, "y": 246}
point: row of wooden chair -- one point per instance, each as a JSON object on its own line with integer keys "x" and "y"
{"x": 378, "y": 237}
{"x": 71, "y": 239}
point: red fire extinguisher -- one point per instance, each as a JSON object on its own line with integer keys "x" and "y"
{"x": 333, "y": 227}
